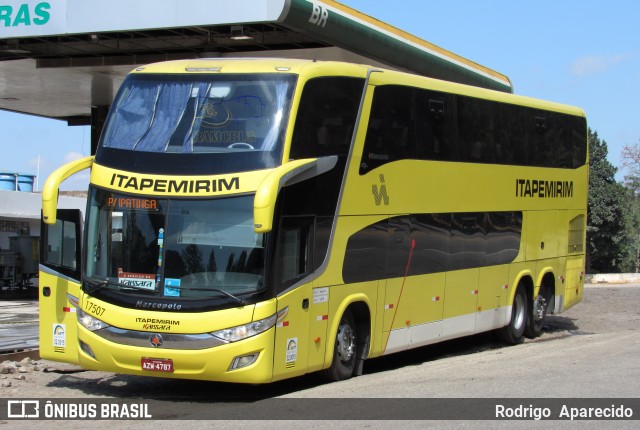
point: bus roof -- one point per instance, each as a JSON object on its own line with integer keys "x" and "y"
{"x": 327, "y": 68}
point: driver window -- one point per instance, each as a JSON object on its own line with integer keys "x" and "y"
{"x": 295, "y": 255}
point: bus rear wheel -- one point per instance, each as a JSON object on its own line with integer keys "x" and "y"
{"x": 344, "y": 351}
{"x": 513, "y": 333}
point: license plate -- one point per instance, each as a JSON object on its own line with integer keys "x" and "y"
{"x": 157, "y": 364}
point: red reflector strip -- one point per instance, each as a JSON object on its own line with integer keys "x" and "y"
{"x": 322, "y": 317}
{"x": 388, "y": 306}
{"x": 435, "y": 299}
{"x": 474, "y": 292}
{"x": 505, "y": 287}
{"x": 66, "y": 309}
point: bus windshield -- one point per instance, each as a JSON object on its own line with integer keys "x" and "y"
{"x": 210, "y": 114}
{"x": 173, "y": 248}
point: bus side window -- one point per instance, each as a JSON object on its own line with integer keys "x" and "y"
{"x": 321, "y": 237}
{"x": 467, "y": 246}
{"x": 432, "y": 235}
{"x": 365, "y": 257}
{"x": 510, "y": 134}
{"x": 540, "y": 149}
{"x": 578, "y": 129}
{"x": 563, "y": 142}
{"x": 295, "y": 250}
{"x": 437, "y": 133}
{"x": 60, "y": 246}
{"x": 391, "y": 133}
{"x": 398, "y": 246}
{"x": 475, "y": 119}
{"x": 326, "y": 117}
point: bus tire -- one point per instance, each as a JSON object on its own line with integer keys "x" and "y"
{"x": 513, "y": 333}
{"x": 344, "y": 351}
{"x": 537, "y": 314}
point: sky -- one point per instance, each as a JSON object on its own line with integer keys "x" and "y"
{"x": 579, "y": 52}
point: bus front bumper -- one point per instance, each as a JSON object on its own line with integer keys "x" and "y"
{"x": 246, "y": 361}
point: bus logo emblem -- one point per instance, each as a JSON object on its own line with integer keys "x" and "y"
{"x": 155, "y": 340}
{"x": 380, "y": 194}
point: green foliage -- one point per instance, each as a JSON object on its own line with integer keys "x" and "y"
{"x": 632, "y": 229}
{"x": 631, "y": 164}
{"x": 610, "y": 216}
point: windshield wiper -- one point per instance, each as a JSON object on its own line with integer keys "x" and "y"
{"x": 237, "y": 299}
{"x": 95, "y": 284}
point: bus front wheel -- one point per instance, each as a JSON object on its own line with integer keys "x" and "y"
{"x": 344, "y": 351}
{"x": 513, "y": 333}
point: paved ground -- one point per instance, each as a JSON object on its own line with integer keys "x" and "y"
{"x": 18, "y": 325}
{"x": 590, "y": 351}
{"x": 19, "y": 321}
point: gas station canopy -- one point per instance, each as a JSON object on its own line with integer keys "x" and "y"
{"x": 64, "y": 58}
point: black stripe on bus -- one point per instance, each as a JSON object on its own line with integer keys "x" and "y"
{"x": 441, "y": 242}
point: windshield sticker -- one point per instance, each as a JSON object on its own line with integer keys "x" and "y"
{"x": 172, "y": 287}
{"x": 160, "y": 253}
{"x": 160, "y": 246}
{"x": 140, "y": 280}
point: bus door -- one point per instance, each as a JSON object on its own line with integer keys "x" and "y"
{"x": 60, "y": 253}
{"x": 301, "y": 328}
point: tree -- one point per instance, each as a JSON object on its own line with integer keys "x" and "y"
{"x": 632, "y": 232}
{"x": 631, "y": 164}
{"x": 608, "y": 247}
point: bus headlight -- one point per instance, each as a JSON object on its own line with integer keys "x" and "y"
{"x": 240, "y": 332}
{"x": 89, "y": 322}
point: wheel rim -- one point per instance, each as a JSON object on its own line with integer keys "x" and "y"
{"x": 518, "y": 311}
{"x": 345, "y": 342}
{"x": 540, "y": 309}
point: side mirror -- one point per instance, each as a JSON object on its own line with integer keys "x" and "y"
{"x": 51, "y": 186}
{"x": 289, "y": 173}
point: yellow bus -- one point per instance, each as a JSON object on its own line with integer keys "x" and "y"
{"x": 252, "y": 220}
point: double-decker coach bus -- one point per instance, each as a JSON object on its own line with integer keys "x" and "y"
{"x": 254, "y": 220}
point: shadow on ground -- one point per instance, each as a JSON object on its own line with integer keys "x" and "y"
{"x": 177, "y": 390}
